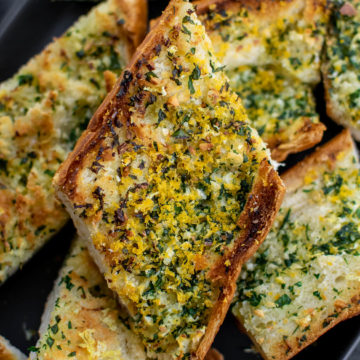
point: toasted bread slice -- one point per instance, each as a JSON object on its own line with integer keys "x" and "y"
{"x": 272, "y": 55}
{"x": 43, "y": 110}
{"x": 9, "y": 352}
{"x": 82, "y": 318}
{"x": 280, "y": 108}
{"x": 305, "y": 277}
{"x": 172, "y": 188}
{"x": 341, "y": 65}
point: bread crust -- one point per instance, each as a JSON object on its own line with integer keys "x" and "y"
{"x": 37, "y": 208}
{"x": 214, "y": 354}
{"x": 264, "y": 9}
{"x": 324, "y": 156}
{"x": 267, "y": 190}
{"x": 333, "y": 110}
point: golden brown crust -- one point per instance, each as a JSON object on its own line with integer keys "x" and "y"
{"x": 255, "y": 221}
{"x": 8, "y": 352}
{"x": 323, "y": 155}
{"x": 264, "y": 9}
{"x": 65, "y": 178}
{"x": 214, "y": 354}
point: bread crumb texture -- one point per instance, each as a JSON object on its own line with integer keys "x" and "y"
{"x": 306, "y": 273}
{"x": 43, "y": 110}
{"x": 162, "y": 191}
{"x": 342, "y": 62}
{"x": 84, "y": 320}
{"x": 272, "y": 57}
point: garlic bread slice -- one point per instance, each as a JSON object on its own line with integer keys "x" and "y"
{"x": 304, "y": 279}
{"x": 341, "y": 65}
{"x": 172, "y": 188}
{"x": 43, "y": 110}
{"x": 271, "y": 52}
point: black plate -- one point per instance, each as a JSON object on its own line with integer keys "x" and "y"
{"x": 26, "y": 26}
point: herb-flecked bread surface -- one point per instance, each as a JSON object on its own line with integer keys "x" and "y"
{"x": 82, "y": 319}
{"x": 172, "y": 188}
{"x": 43, "y": 110}
{"x": 271, "y": 53}
{"x": 304, "y": 279}
{"x": 341, "y": 65}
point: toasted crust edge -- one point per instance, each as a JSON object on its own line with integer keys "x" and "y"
{"x": 214, "y": 354}
{"x": 136, "y": 13}
{"x": 9, "y": 352}
{"x": 268, "y": 189}
{"x": 293, "y": 179}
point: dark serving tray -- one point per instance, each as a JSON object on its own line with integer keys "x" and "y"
{"x": 26, "y": 26}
